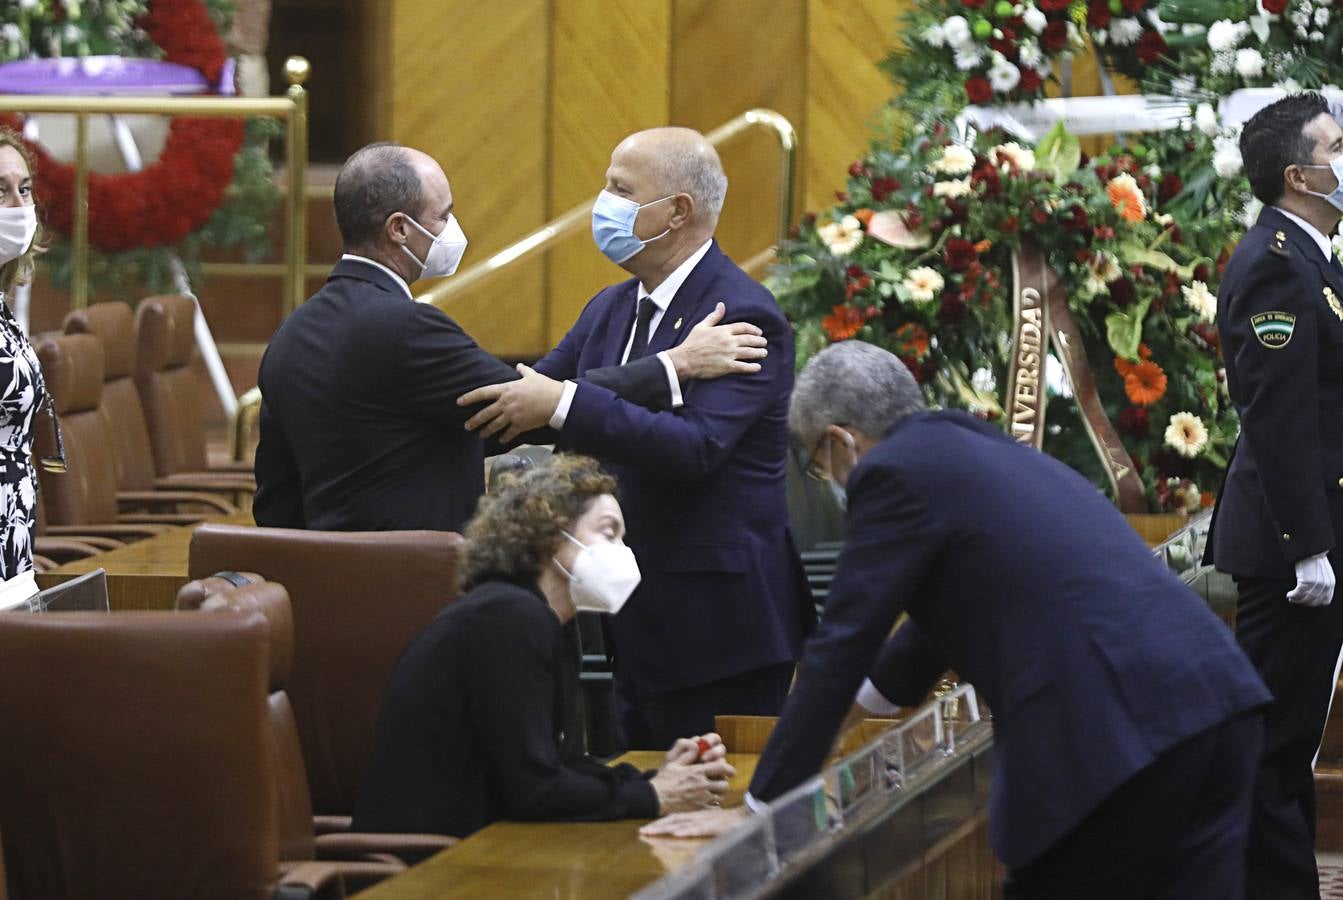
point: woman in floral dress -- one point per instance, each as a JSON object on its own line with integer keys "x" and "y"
{"x": 21, "y": 387}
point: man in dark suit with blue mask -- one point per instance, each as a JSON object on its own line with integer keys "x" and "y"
{"x": 1126, "y": 724}
{"x": 1279, "y": 513}
{"x": 719, "y": 618}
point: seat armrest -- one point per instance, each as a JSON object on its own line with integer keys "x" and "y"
{"x": 308, "y": 881}
{"x": 207, "y": 481}
{"x": 351, "y": 845}
{"x": 120, "y": 531}
{"x": 231, "y": 466}
{"x": 66, "y": 549}
{"x": 329, "y": 824}
{"x": 77, "y": 542}
{"x": 42, "y": 564}
{"x": 151, "y": 498}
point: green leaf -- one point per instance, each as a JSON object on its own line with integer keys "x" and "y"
{"x": 1058, "y": 152}
{"x": 1124, "y": 330}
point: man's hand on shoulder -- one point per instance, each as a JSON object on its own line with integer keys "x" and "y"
{"x": 712, "y": 350}
{"x": 514, "y": 407}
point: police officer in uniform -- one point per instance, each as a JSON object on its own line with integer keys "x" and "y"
{"x": 1279, "y": 514}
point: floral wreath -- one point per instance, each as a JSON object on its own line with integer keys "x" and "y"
{"x": 178, "y": 192}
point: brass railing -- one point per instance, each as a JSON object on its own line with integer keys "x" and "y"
{"x": 291, "y": 108}
{"x": 577, "y": 218}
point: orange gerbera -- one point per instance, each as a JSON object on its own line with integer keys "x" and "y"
{"x": 1125, "y": 366}
{"x": 1126, "y": 197}
{"x": 863, "y": 215}
{"x": 843, "y": 322}
{"x": 914, "y": 339}
{"x": 983, "y": 246}
{"x": 1145, "y": 384}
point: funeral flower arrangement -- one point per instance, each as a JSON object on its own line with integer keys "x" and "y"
{"x": 210, "y": 186}
{"x": 916, "y": 257}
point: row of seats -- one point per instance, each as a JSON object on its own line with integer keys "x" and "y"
{"x": 206, "y": 795}
{"x": 134, "y": 430}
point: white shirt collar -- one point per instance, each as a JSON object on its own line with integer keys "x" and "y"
{"x": 1325, "y": 247}
{"x": 663, "y": 294}
{"x": 395, "y": 277}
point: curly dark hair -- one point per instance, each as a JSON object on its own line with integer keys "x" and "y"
{"x": 515, "y": 530}
{"x": 20, "y": 271}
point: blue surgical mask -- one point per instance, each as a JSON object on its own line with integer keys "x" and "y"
{"x": 1334, "y": 197}
{"x": 613, "y": 226}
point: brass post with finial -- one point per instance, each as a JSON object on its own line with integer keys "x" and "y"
{"x": 296, "y": 72}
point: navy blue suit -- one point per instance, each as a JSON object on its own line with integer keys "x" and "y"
{"x": 1020, "y": 576}
{"x": 1280, "y": 317}
{"x": 702, "y": 488}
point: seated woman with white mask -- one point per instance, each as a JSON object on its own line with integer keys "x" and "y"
{"x": 480, "y": 721}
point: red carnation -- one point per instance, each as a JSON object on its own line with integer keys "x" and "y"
{"x": 882, "y": 188}
{"x": 1054, "y": 6}
{"x": 1030, "y": 80}
{"x": 973, "y": 4}
{"x": 978, "y": 90}
{"x": 1151, "y": 47}
{"x": 1274, "y": 7}
{"x": 986, "y": 174}
{"x": 1005, "y": 46}
{"x": 959, "y": 254}
{"x": 1169, "y": 187}
{"x": 1133, "y": 6}
{"x": 857, "y": 169}
{"x": 1055, "y": 37}
{"x": 952, "y": 309}
{"x": 1135, "y": 421}
{"x": 1098, "y": 14}
{"x": 1122, "y": 292}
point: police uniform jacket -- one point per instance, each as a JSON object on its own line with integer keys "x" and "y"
{"x": 1280, "y": 316}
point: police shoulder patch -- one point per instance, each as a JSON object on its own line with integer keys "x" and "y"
{"x": 1273, "y": 329}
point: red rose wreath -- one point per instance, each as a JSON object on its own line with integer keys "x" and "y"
{"x": 178, "y": 192}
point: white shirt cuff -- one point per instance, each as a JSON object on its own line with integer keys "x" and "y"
{"x": 561, "y": 412}
{"x": 872, "y": 700}
{"x": 755, "y": 806}
{"x": 672, "y": 381}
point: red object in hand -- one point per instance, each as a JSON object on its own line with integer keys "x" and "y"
{"x": 702, "y": 745}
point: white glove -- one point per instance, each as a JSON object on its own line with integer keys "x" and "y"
{"x": 1314, "y": 582}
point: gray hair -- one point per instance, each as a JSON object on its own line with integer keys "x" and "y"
{"x": 686, "y": 167}
{"x": 376, "y": 181}
{"x": 855, "y": 384}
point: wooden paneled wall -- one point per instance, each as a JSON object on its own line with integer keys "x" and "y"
{"x": 522, "y": 102}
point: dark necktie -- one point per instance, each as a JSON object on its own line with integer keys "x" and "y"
{"x": 641, "y": 322}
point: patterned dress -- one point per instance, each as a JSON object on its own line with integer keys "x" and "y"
{"x": 21, "y": 392}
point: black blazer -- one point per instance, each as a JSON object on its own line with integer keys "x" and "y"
{"x": 360, "y": 427}
{"x": 480, "y": 722}
{"x": 1282, "y": 499}
{"x": 1019, "y": 575}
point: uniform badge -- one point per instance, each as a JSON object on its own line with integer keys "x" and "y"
{"x": 1334, "y": 305}
{"x": 1273, "y": 329}
{"x": 678, "y": 323}
{"x": 1279, "y": 248}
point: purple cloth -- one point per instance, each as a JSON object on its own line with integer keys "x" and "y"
{"x": 102, "y": 75}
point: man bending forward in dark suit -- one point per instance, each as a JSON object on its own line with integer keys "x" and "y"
{"x": 360, "y": 426}
{"x": 719, "y": 618}
{"x": 1125, "y": 722}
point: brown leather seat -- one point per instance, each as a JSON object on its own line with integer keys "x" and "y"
{"x": 358, "y": 599}
{"x": 83, "y": 499}
{"x": 136, "y": 757}
{"x": 113, "y": 323}
{"x": 165, "y": 343}
{"x": 297, "y": 842}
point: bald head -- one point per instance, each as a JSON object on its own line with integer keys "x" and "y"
{"x": 379, "y": 180}
{"x": 676, "y": 161}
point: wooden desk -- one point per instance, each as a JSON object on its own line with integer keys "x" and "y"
{"x": 554, "y": 860}
{"x": 146, "y": 574}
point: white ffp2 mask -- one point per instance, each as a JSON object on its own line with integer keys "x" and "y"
{"x": 445, "y": 253}
{"x": 603, "y": 577}
{"x": 18, "y": 225}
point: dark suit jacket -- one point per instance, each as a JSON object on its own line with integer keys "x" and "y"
{"x": 480, "y": 722}
{"x": 1282, "y": 499}
{"x": 1021, "y": 577}
{"x": 702, "y": 487}
{"x": 360, "y": 427}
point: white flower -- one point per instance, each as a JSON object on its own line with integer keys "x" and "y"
{"x": 1163, "y": 219}
{"x": 1029, "y": 53}
{"x": 1289, "y": 85}
{"x": 1337, "y": 242}
{"x": 1249, "y": 63}
{"x": 1102, "y": 270}
{"x": 957, "y": 188}
{"x": 1250, "y": 214}
{"x": 1125, "y": 31}
{"x": 1226, "y": 35}
{"x": 956, "y": 160}
{"x": 1226, "y": 162}
{"x": 10, "y": 32}
{"x": 934, "y": 36}
{"x": 1186, "y": 434}
{"x": 1322, "y": 16}
{"x": 842, "y": 237}
{"x": 1022, "y": 157}
{"x": 1201, "y": 300}
{"x": 968, "y": 56}
{"x": 1205, "y": 117}
{"x": 1316, "y": 37}
{"x": 1187, "y": 497}
{"x": 1003, "y": 76}
{"x": 956, "y": 31}
{"x": 1034, "y": 19}
{"x": 923, "y": 283}
{"x": 27, "y": 4}
{"x": 983, "y": 381}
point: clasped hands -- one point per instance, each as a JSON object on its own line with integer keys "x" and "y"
{"x": 709, "y": 351}
{"x": 694, "y": 775}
